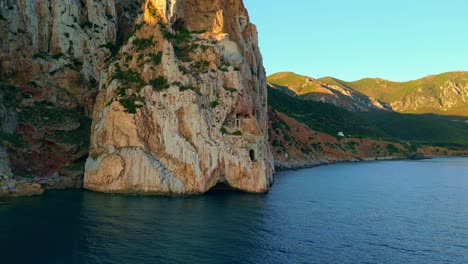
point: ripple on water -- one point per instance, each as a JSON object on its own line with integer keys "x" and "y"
{"x": 375, "y": 212}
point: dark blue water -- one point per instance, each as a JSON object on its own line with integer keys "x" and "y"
{"x": 377, "y": 212}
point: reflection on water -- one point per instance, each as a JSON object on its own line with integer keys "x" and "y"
{"x": 375, "y": 212}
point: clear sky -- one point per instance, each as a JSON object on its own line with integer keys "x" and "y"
{"x": 350, "y": 39}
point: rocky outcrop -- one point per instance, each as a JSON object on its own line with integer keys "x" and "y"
{"x": 450, "y": 97}
{"x": 183, "y": 106}
{"x": 171, "y": 82}
{"x": 345, "y": 98}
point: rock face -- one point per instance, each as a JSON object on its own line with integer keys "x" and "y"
{"x": 449, "y": 97}
{"x": 181, "y": 102}
{"x": 184, "y": 105}
{"x": 7, "y": 125}
{"x": 5, "y": 171}
{"x": 52, "y": 56}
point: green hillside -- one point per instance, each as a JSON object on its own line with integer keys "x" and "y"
{"x": 297, "y": 83}
{"x": 431, "y": 129}
{"x": 389, "y": 91}
{"x": 446, "y": 93}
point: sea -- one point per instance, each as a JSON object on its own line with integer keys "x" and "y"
{"x": 366, "y": 212}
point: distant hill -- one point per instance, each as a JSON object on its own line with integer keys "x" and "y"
{"x": 330, "y": 119}
{"x": 315, "y": 121}
{"x": 308, "y": 88}
{"x": 305, "y": 133}
{"x": 443, "y": 94}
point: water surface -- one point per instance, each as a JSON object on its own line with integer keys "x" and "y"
{"x": 373, "y": 212}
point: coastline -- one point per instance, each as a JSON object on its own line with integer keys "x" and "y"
{"x": 312, "y": 164}
{"x": 23, "y": 187}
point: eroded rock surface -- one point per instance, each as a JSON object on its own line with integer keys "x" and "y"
{"x": 184, "y": 105}
{"x": 52, "y": 56}
{"x": 449, "y": 97}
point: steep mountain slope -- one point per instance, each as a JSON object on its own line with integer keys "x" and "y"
{"x": 445, "y": 94}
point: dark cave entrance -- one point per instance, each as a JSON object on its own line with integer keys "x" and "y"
{"x": 252, "y": 155}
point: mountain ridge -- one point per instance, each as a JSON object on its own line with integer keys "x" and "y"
{"x": 446, "y": 93}
{"x": 334, "y": 92}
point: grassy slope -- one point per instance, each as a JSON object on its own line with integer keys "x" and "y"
{"x": 383, "y": 90}
{"x": 330, "y": 119}
{"x": 295, "y": 82}
{"x": 388, "y": 91}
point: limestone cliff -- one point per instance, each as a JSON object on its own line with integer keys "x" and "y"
{"x": 52, "y": 56}
{"x": 183, "y": 105}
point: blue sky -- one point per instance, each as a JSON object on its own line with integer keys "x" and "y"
{"x": 351, "y": 39}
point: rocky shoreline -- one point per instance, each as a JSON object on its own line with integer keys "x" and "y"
{"x": 19, "y": 187}
{"x": 281, "y": 165}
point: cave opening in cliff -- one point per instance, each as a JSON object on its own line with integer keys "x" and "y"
{"x": 222, "y": 186}
{"x": 252, "y": 155}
